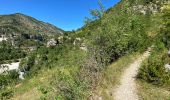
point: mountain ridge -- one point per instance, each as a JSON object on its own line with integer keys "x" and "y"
{"x": 20, "y": 30}
{"x": 29, "y": 23}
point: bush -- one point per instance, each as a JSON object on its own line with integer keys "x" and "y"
{"x": 153, "y": 70}
{"x": 69, "y": 87}
{"x": 6, "y": 94}
{"x": 10, "y": 78}
{"x": 7, "y": 82}
{"x": 8, "y": 52}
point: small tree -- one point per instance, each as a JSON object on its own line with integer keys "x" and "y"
{"x": 96, "y": 13}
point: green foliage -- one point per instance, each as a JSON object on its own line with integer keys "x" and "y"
{"x": 6, "y": 94}
{"x": 11, "y": 77}
{"x": 118, "y": 35}
{"x": 166, "y": 25}
{"x": 8, "y": 52}
{"x": 65, "y": 83}
{"x": 44, "y": 90}
{"x": 68, "y": 86}
{"x": 153, "y": 70}
{"x": 48, "y": 58}
{"x": 108, "y": 36}
{"x": 7, "y": 82}
{"x": 96, "y": 13}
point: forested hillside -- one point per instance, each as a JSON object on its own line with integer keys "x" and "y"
{"x": 73, "y": 68}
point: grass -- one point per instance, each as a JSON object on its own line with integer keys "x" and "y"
{"x": 151, "y": 92}
{"x": 111, "y": 76}
{"x": 27, "y": 89}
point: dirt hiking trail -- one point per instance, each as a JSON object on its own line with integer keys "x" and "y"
{"x": 127, "y": 88}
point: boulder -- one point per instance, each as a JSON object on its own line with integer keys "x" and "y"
{"x": 21, "y": 75}
{"x": 52, "y": 43}
{"x": 83, "y": 47}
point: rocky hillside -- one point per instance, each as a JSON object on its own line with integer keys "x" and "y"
{"x": 17, "y": 28}
{"x": 20, "y": 23}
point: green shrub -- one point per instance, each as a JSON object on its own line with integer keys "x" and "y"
{"x": 153, "y": 70}
{"x": 10, "y": 78}
{"x": 7, "y": 94}
{"x": 8, "y": 52}
{"x": 68, "y": 87}
{"x": 7, "y": 82}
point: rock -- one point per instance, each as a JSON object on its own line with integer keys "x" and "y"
{"x": 151, "y": 7}
{"x": 12, "y": 66}
{"x": 9, "y": 67}
{"x": 21, "y": 75}
{"x": 52, "y": 42}
{"x": 83, "y": 47}
{"x": 60, "y": 39}
{"x": 167, "y": 67}
{"x": 77, "y": 41}
{"x": 3, "y": 38}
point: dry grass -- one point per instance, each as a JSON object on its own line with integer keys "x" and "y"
{"x": 28, "y": 89}
{"x": 29, "y": 95}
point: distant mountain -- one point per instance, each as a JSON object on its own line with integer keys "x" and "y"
{"x": 20, "y": 23}
{"x": 20, "y": 29}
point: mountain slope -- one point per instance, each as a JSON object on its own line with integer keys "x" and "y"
{"x": 22, "y": 30}
{"x": 20, "y": 23}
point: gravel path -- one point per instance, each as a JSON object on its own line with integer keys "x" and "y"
{"x": 127, "y": 88}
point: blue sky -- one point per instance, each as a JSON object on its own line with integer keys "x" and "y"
{"x": 65, "y": 14}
